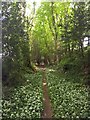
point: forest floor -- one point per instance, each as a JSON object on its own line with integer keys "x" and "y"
{"x": 48, "y": 93}
{"x": 47, "y": 112}
{"x": 63, "y": 96}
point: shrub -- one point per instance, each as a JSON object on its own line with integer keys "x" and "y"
{"x": 71, "y": 64}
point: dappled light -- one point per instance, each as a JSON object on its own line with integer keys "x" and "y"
{"x": 46, "y": 60}
{"x": 44, "y": 84}
{"x": 51, "y": 70}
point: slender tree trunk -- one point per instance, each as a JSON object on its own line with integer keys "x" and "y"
{"x": 88, "y": 41}
{"x": 72, "y": 48}
{"x": 69, "y": 51}
{"x": 81, "y": 47}
{"x": 55, "y": 32}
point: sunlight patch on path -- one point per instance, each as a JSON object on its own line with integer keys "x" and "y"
{"x": 51, "y": 70}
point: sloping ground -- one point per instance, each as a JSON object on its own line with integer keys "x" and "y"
{"x": 69, "y": 99}
{"x": 66, "y": 99}
{"x": 26, "y": 101}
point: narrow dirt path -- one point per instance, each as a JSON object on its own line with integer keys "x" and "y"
{"x": 47, "y": 113}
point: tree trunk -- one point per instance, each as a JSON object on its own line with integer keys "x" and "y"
{"x": 55, "y": 32}
{"x": 81, "y": 47}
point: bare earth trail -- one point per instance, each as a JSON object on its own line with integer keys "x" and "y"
{"x": 47, "y": 112}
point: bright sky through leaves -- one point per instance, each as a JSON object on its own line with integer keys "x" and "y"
{"x": 30, "y": 5}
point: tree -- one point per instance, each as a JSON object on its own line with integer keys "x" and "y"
{"x": 14, "y": 41}
{"x": 79, "y": 24}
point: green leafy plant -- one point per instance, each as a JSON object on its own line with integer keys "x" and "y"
{"x": 69, "y": 100}
{"x": 26, "y": 101}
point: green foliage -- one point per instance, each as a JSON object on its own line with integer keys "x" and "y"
{"x": 88, "y": 49}
{"x": 16, "y": 54}
{"x": 65, "y": 61}
{"x": 59, "y": 29}
{"x": 72, "y": 64}
{"x": 55, "y": 33}
{"x": 26, "y": 100}
{"x": 69, "y": 100}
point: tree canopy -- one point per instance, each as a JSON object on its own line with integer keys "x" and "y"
{"x": 46, "y": 58}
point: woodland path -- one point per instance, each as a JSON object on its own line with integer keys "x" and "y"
{"x": 47, "y": 112}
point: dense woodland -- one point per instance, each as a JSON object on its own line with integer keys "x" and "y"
{"x": 52, "y": 36}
